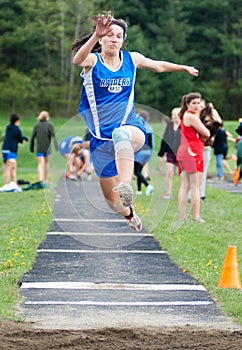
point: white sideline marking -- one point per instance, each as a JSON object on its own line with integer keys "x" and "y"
{"x": 120, "y": 303}
{"x": 101, "y": 251}
{"x": 99, "y": 234}
{"x": 118, "y": 286}
{"x": 89, "y": 220}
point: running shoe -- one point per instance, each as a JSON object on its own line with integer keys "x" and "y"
{"x": 125, "y": 193}
{"x": 135, "y": 222}
{"x": 71, "y": 176}
{"x": 149, "y": 190}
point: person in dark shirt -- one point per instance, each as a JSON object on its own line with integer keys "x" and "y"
{"x": 220, "y": 146}
{"x": 169, "y": 146}
{"x": 143, "y": 156}
{"x": 13, "y": 136}
{"x": 43, "y": 132}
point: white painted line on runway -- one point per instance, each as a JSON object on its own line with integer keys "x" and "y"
{"x": 120, "y": 303}
{"x": 89, "y": 220}
{"x": 131, "y": 234}
{"x": 115, "y": 286}
{"x": 101, "y": 251}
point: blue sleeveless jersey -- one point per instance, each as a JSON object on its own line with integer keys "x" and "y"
{"x": 107, "y": 100}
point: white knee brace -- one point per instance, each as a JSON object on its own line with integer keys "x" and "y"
{"x": 122, "y": 139}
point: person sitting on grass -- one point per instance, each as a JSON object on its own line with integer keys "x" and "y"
{"x": 65, "y": 147}
{"x": 79, "y": 161}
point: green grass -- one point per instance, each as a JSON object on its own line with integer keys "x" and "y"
{"x": 198, "y": 248}
{"x": 24, "y": 220}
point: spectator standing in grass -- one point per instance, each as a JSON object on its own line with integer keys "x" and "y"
{"x": 43, "y": 132}
{"x": 164, "y": 121}
{"x": 221, "y": 147}
{"x": 207, "y": 118}
{"x": 169, "y": 146}
{"x": 142, "y": 157}
{"x": 13, "y": 136}
{"x": 190, "y": 154}
{"x": 238, "y": 145}
{"x": 238, "y": 168}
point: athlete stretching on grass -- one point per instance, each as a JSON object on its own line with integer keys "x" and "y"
{"x": 107, "y": 105}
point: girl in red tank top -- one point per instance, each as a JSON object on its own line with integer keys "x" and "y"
{"x": 190, "y": 154}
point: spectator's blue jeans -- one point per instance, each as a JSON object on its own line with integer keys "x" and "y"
{"x": 220, "y": 165}
{"x": 207, "y": 158}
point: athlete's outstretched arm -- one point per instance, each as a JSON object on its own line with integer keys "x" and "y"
{"x": 83, "y": 57}
{"x": 161, "y": 66}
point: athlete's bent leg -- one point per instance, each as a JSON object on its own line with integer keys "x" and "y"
{"x": 112, "y": 198}
{"x": 127, "y": 140}
{"x": 116, "y": 204}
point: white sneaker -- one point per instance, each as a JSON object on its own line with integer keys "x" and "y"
{"x": 135, "y": 222}
{"x": 71, "y": 177}
{"x": 167, "y": 196}
{"x": 200, "y": 220}
{"x": 149, "y": 190}
{"x": 11, "y": 187}
{"x": 138, "y": 193}
{"x": 125, "y": 193}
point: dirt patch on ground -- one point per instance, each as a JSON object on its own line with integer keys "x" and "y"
{"x": 23, "y": 336}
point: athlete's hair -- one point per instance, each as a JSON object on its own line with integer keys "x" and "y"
{"x": 186, "y": 99}
{"x": 78, "y": 43}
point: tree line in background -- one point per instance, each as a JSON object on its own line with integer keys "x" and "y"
{"x": 36, "y": 60}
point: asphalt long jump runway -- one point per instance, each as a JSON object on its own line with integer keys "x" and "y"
{"x": 93, "y": 271}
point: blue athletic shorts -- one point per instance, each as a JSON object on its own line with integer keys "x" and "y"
{"x": 8, "y": 155}
{"x": 143, "y": 156}
{"x": 103, "y": 157}
{"x": 44, "y": 155}
{"x": 103, "y": 153}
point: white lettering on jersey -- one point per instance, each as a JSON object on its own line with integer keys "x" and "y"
{"x": 114, "y": 85}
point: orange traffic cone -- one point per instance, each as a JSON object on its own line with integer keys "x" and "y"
{"x": 236, "y": 176}
{"x": 230, "y": 275}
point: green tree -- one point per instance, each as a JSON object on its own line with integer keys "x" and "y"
{"x": 36, "y": 37}
{"x": 215, "y": 43}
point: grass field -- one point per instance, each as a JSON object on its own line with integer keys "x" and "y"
{"x": 198, "y": 248}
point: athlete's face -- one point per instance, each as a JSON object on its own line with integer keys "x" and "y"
{"x": 113, "y": 41}
{"x": 194, "y": 105}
